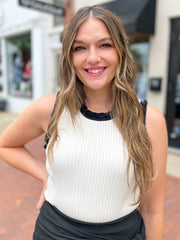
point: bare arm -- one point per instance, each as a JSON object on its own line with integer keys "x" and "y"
{"x": 152, "y": 207}
{"x": 31, "y": 123}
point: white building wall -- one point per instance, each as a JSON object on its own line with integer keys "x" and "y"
{"x": 15, "y": 15}
{"x": 159, "y": 49}
{"x": 54, "y": 45}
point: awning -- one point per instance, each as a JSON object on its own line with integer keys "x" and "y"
{"x": 136, "y": 15}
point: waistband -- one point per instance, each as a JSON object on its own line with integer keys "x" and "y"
{"x": 55, "y": 225}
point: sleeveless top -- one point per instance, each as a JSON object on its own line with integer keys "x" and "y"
{"x": 88, "y": 178}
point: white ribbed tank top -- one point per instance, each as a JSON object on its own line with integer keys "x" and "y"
{"x": 88, "y": 178}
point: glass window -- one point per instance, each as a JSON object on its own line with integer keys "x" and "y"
{"x": 175, "y": 134}
{"x": 19, "y": 67}
{"x": 140, "y": 53}
{"x": 58, "y": 20}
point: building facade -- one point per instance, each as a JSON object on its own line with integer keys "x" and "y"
{"x": 25, "y": 46}
{"x": 164, "y": 63}
{"x": 30, "y": 49}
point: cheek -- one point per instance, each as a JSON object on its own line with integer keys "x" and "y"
{"x": 77, "y": 66}
{"x": 112, "y": 58}
{"x": 78, "y": 61}
{"x": 116, "y": 58}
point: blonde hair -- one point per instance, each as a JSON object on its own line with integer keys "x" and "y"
{"x": 126, "y": 111}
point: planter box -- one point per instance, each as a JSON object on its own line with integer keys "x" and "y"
{"x": 2, "y": 105}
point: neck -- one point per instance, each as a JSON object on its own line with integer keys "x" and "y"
{"x": 97, "y": 102}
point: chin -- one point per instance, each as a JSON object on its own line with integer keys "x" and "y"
{"x": 95, "y": 87}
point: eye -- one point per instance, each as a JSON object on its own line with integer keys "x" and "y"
{"x": 106, "y": 45}
{"x": 79, "y": 48}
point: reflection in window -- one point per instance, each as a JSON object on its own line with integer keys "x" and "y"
{"x": 19, "y": 68}
{"x": 140, "y": 54}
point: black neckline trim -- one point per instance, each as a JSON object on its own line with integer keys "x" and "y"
{"x": 93, "y": 115}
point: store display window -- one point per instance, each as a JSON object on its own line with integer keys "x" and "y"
{"x": 19, "y": 66}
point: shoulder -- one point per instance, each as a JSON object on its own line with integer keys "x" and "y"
{"x": 40, "y": 110}
{"x": 31, "y": 123}
{"x": 45, "y": 104}
{"x": 154, "y": 119}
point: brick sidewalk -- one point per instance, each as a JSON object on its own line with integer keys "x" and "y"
{"x": 19, "y": 196}
{"x": 172, "y": 212}
{"x": 20, "y": 192}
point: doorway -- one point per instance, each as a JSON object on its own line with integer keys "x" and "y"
{"x": 173, "y": 91}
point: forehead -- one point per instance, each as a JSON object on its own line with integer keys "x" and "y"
{"x": 91, "y": 28}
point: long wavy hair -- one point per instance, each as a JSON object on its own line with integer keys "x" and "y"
{"x": 126, "y": 111}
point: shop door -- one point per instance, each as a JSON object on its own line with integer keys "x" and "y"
{"x": 173, "y": 93}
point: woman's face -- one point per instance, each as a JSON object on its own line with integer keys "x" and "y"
{"x": 94, "y": 55}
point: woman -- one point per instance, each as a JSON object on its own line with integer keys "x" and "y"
{"x": 106, "y": 160}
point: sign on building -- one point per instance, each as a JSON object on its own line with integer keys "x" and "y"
{"x": 44, "y": 7}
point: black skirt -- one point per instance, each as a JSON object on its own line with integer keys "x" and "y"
{"x": 52, "y": 224}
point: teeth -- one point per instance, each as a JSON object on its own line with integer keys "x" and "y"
{"x": 95, "y": 71}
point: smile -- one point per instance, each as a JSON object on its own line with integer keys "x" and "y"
{"x": 95, "y": 71}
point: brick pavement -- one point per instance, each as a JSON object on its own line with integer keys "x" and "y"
{"x": 19, "y": 195}
{"x": 20, "y": 192}
{"x": 172, "y": 209}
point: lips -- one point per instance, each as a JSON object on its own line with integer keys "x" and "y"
{"x": 95, "y": 70}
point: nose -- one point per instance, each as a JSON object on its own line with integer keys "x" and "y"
{"x": 93, "y": 56}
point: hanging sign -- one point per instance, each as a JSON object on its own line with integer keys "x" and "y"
{"x": 43, "y": 7}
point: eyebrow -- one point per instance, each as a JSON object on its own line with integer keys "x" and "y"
{"x": 101, "y": 40}
{"x": 105, "y": 39}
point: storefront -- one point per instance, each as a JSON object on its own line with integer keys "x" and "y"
{"x": 173, "y": 89}
{"x": 25, "y": 53}
{"x": 164, "y": 64}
